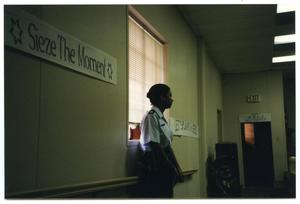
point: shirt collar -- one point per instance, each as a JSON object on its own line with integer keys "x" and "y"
{"x": 160, "y": 114}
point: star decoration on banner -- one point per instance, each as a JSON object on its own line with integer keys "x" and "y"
{"x": 109, "y": 71}
{"x": 16, "y": 31}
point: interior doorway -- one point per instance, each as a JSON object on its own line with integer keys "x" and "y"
{"x": 257, "y": 154}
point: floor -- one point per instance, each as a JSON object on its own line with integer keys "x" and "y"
{"x": 260, "y": 192}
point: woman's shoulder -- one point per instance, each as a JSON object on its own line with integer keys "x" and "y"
{"x": 151, "y": 112}
{"x": 151, "y": 115}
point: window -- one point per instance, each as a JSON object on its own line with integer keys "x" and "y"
{"x": 146, "y": 67}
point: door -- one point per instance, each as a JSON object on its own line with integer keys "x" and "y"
{"x": 257, "y": 154}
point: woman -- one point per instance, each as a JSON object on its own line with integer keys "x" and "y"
{"x": 160, "y": 169}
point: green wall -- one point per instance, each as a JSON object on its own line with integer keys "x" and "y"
{"x": 70, "y": 122}
{"x": 210, "y": 100}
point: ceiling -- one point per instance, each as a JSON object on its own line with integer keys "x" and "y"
{"x": 239, "y": 38}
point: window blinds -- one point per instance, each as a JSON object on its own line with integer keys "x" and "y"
{"x": 146, "y": 68}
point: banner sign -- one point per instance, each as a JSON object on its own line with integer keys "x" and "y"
{"x": 183, "y": 128}
{"x": 29, "y": 34}
{"x": 255, "y": 117}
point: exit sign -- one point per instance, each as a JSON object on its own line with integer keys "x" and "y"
{"x": 253, "y": 98}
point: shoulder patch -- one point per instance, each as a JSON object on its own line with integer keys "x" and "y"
{"x": 151, "y": 111}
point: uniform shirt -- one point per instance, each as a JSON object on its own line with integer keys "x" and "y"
{"x": 155, "y": 128}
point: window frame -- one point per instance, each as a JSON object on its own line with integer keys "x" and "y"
{"x": 138, "y": 18}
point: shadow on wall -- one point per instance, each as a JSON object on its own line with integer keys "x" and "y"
{"x": 132, "y": 157}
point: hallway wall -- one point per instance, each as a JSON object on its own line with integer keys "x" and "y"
{"x": 210, "y": 100}
{"x": 73, "y": 122}
{"x": 235, "y": 89}
{"x": 289, "y": 94}
{"x": 290, "y": 113}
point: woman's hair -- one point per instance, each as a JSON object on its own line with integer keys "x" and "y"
{"x": 156, "y": 91}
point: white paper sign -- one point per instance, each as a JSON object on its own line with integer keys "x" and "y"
{"x": 255, "y": 117}
{"x": 27, "y": 33}
{"x": 183, "y": 128}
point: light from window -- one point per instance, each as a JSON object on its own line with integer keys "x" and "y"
{"x": 146, "y": 68}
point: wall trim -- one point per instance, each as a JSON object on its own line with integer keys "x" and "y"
{"x": 72, "y": 190}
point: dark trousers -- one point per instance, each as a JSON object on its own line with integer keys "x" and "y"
{"x": 157, "y": 184}
{"x": 157, "y": 178}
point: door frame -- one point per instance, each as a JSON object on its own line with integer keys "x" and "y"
{"x": 254, "y": 118}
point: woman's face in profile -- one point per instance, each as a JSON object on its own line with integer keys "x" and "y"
{"x": 167, "y": 100}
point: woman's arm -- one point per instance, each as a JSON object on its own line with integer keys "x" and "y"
{"x": 174, "y": 161}
{"x": 160, "y": 156}
{"x": 166, "y": 160}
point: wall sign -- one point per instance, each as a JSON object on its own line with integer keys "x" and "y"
{"x": 256, "y": 98}
{"x": 27, "y": 33}
{"x": 183, "y": 128}
{"x": 255, "y": 117}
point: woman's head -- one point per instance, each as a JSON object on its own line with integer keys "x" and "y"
{"x": 160, "y": 95}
